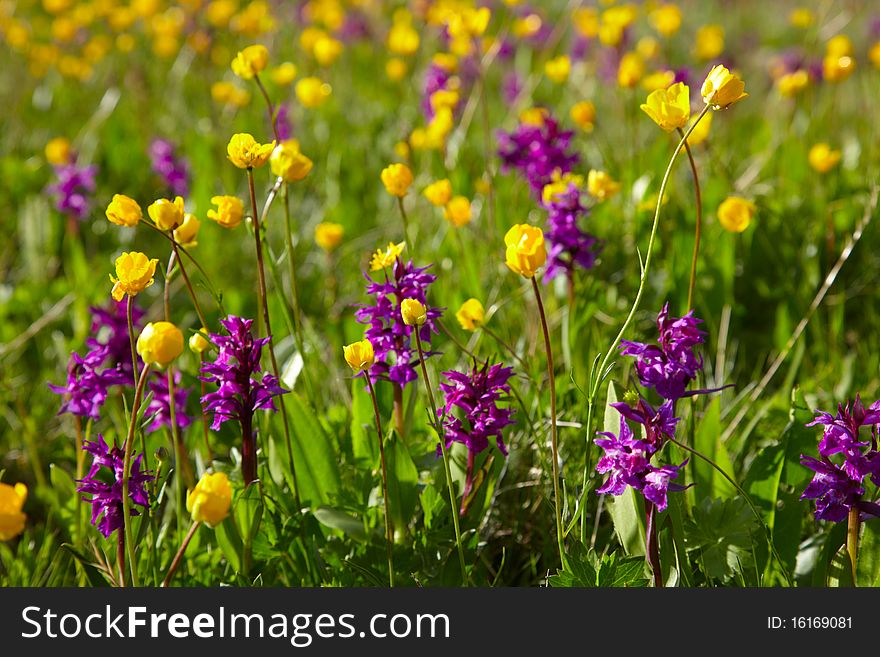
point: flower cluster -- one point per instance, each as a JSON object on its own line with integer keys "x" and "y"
{"x": 237, "y": 373}
{"x": 387, "y": 331}
{"x": 106, "y": 498}
{"x": 87, "y": 384}
{"x": 570, "y": 246}
{"x": 668, "y": 367}
{"x": 159, "y": 408}
{"x": 173, "y": 171}
{"x": 72, "y": 188}
{"x": 110, "y": 329}
{"x": 838, "y": 485}
{"x": 537, "y": 149}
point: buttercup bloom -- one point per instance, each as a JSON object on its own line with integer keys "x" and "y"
{"x": 288, "y": 162}
{"x": 439, "y": 193}
{"x": 167, "y": 215}
{"x": 328, "y": 235}
{"x": 210, "y": 500}
{"x": 124, "y": 211}
{"x": 383, "y": 259}
{"x": 58, "y": 151}
{"x": 229, "y": 212}
{"x": 722, "y": 88}
{"x": 359, "y": 355}
{"x": 413, "y": 312}
{"x": 160, "y": 343}
{"x": 601, "y": 185}
{"x": 525, "y": 251}
{"x": 631, "y": 70}
{"x": 312, "y": 92}
{"x": 397, "y": 178}
{"x": 558, "y": 69}
{"x": 245, "y": 153}
{"x": 735, "y": 214}
{"x": 709, "y": 42}
{"x": 584, "y": 115}
{"x": 823, "y": 158}
{"x": 12, "y": 519}
{"x": 669, "y": 108}
{"x": 197, "y": 343}
{"x": 458, "y": 211}
{"x": 250, "y": 61}
{"x": 471, "y": 315}
{"x": 188, "y": 231}
{"x": 134, "y": 273}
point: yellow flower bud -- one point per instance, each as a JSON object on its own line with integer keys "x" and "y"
{"x": 839, "y": 46}
{"x": 709, "y": 42}
{"x": 735, "y": 214}
{"x": 188, "y": 231}
{"x": 791, "y": 84}
{"x": 823, "y": 158}
{"x": 669, "y": 108}
{"x": 124, "y": 211}
{"x": 210, "y": 500}
{"x": 397, "y": 178}
{"x": 197, "y": 342}
{"x": 288, "y": 163}
{"x": 439, "y": 193}
{"x": 167, "y": 215}
{"x": 801, "y": 17}
{"x": 250, "y": 61}
{"x": 471, "y": 315}
{"x": 312, "y": 92}
{"x": 835, "y": 69}
{"x": 584, "y": 115}
{"x": 382, "y": 259}
{"x": 245, "y": 153}
{"x": 631, "y": 70}
{"x": 666, "y": 19}
{"x": 58, "y": 151}
{"x": 328, "y": 235}
{"x": 403, "y": 39}
{"x": 134, "y": 274}
{"x": 601, "y": 185}
{"x": 359, "y": 355}
{"x": 558, "y": 69}
{"x": 722, "y": 88}
{"x": 283, "y": 74}
{"x": 458, "y": 211}
{"x": 229, "y": 212}
{"x": 413, "y": 312}
{"x": 12, "y": 519}
{"x": 327, "y": 50}
{"x": 395, "y": 69}
{"x": 525, "y": 252}
{"x": 160, "y": 343}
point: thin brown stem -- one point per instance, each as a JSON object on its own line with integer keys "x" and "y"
{"x": 852, "y": 538}
{"x": 189, "y": 287}
{"x": 652, "y": 547}
{"x": 273, "y": 119}
{"x": 389, "y": 529}
{"x": 177, "y": 557}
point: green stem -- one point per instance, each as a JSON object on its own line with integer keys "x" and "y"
{"x": 698, "y": 199}
{"x": 412, "y": 246}
{"x": 131, "y": 340}
{"x": 177, "y": 557}
{"x": 852, "y": 538}
{"x": 126, "y": 475}
{"x": 389, "y": 529}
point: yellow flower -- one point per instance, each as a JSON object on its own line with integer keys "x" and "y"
{"x": 601, "y": 185}
{"x": 666, "y": 19}
{"x": 533, "y": 116}
{"x": 197, "y": 342}
{"x": 250, "y": 61}
{"x": 874, "y": 55}
{"x": 58, "y": 151}
{"x": 586, "y": 21}
{"x": 283, "y": 74}
{"x": 525, "y": 252}
{"x": 658, "y": 80}
{"x": 382, "y": 259}
{"x": 458, "y": 211}
{"x": 403, "y": 39}
{"x": 229, "y": 212}
{"x": 791, "y": 84}
{"x": 186, "y": 233}
{"x": 167, "y": 215}
{"x": 648, "y": 47}
{"x": 801, "y": 17}
{"x": 287, "y": 162}
{"x": 210, "y": 500}
{"x": 312, "y": 92}
{"x": 559, "y": 185}
{"x": 839, "y": 46}
{"x": 669, "y": 108}
{"x": 438, "y": 193}
{"x": 395, "y": 69}
{"x": 160, "y": 343}
{"x": 413, "y": 312}
{"x": 328, "y": 235}
{"x": 584, "y": 115}
{"x": 245, "y": 153}
{"x": 471, "y": 314}
{"x": 397, "y": 178}
{"x": 226, "y": 92}
{"x": 124, "y": 211}
{"x": 134, "y": 273}
{"x": 822, "y": 158}
{"x": 735, "y": 214}
{"x": 722, "y": 88}
{"x": 701, "y": 132}
{"x": 12, "y": 519}
{"x": 630, "y": 70}
{"x": 359, "y": 355}
{"x": 444, "y": 98}
{"x": 327, "y": 50}
{"x": 835, "y": 69}
{"x": 558, "y": 69}
{"x": 709, "y": 42}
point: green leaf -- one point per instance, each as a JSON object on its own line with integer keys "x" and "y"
{"x": 336, "y": 519}
{"x": 364, "y": 444}
{"x": 403, "y": 478}
{"x": 93, "y": 573}
{"x": 868, "y": 566}
{"x": 229, "y": 541}
{"x": 722, "y": 531}
{"x": 248, "y": 511}
{"x": 707, "y": 481}
{"x": 840, "y": 573}
{"x": 317, "y": 466}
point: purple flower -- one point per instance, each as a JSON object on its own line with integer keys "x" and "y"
{"x": 106, "y": 498}
{"x": 657, "y": 483}
{"x": 570, "y": 246}
{"x": 283, "y": 123}
{"x": 671, "y": 365}
{"x": 236, "y": 370}
{"x": 72, "y": 188}
{"x": 436, "y": 79}
{"x": 387, "y": 332}
{"x": 833, "y": 489}
{"x": 159, "y": 407}
{"x": 173, "y": 171}
{"x": 110, "y": 329}
{"x": 87, "y": 384}
{"x": 511, "y": 87}
{"x": 626, "y": 458}
{"x": 658, "y": 424}
{"x": 537, "y": 151}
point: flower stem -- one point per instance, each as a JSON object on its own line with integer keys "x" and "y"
{"x": 652, "y": 547}
{"x": 177, "y": 557}
{"x": 398, "y": 410}
{"x": 134, "y": 358}
{"x": 412, "y": 246}
{"x": 271, "y": 108}
{"x": 504, "y": 344}
{"x": 120, "y": 557}
{"x": 553, "y": 439}
{"x": 698, "y": 199}
{"x": 438, "y": 428}
{"x": 126, "y": 473}
{"x": 389, "y": 529}
{"x": 188, "y": 284}
{"x": 852, "y": 538}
